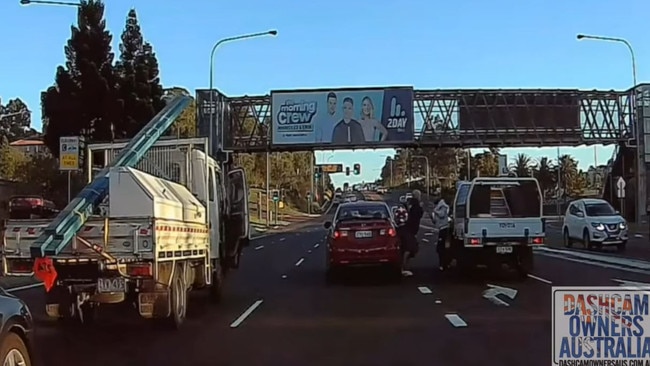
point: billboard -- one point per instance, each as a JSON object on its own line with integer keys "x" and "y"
{"x": 344, "y": 118}
{"x": 511, "y": 111}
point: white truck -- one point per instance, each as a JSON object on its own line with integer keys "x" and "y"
{"x": 174, "y": 223}
{"x": 497, "y": 221}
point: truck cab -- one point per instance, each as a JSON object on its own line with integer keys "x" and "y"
{"x": 497, "y": 221}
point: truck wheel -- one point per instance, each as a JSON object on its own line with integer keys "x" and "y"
{"x": 215, "y": 289}
{"x": 178, "y": 301}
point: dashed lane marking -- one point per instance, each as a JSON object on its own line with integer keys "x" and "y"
{"x": 283, "y": 239}
{"x": 424, "y": 290}
{"x": 425, "y": 240}
{"x": 259, "y": 247}
{"x": 316, "y": 245}
{"x": 540, "y": 279}
{"x": 299, "y": 262}
{"x": 246, "y": 314}
{"x": 456, "y": 320}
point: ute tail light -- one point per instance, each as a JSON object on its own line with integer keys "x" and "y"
{"x": 538, "y": 241}
{"x": 474, "y": 241}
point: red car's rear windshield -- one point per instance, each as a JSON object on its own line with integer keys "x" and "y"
{"x": 363, "y": 212}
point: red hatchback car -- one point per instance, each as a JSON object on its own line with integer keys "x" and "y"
{"x": 362, "y": 233}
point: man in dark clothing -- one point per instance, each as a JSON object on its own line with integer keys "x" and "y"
{"x": 348, "y": 130}
{"x": 412, "y": 227}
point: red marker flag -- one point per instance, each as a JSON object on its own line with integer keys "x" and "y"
{"x": 44, "y": 271}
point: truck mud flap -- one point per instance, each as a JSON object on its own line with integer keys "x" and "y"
{"x": 154, "y": 304}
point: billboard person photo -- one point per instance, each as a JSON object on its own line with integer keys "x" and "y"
{"x": 348, "y": 130}
{"x": 330, "y": 119}
{"x": 373, "y": 130}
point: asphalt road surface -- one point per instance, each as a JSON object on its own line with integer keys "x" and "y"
{"x": 278, "y": 310}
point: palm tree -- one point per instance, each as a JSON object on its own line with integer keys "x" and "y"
{"x": 544, "y": 172}
{"x": 522, "y": 165}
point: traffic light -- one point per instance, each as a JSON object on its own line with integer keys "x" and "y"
{"x": 276, "y": 195}
{"x": 317, "y": 172}
{"x": 347, "y": 170}
{"x": 357, "y": 169}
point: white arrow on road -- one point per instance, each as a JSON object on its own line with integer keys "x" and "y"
{"x": 493, "y": 291}
{"x": 633, "y": 284}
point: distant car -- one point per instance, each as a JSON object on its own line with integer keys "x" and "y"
{"x": 408, "y": 196}
{"x": 594, "y": 223}
{"x": 362, "y": 233}
{"x": 402, "y": 199}
{"x": 350, "y": 198}
{"x": 16, "y": 331}
{"x": 31, "y": 207}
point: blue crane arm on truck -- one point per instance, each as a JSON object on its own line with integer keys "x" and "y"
{"x": 59, "y": 233}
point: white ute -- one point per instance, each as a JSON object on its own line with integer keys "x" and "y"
{"x": 497, "y": 221}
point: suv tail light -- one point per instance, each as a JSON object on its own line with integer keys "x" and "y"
{"x": 139, "y": 269}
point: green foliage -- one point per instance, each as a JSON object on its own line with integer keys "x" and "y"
{"x": 91, "y": 96}
{"x": 185, "y": 125}
{"x": 15, "y": 120}
{"x": 449, "y": 165}
{"x": 12, "y": 161}
{"x": 84, "y": 100}
{"x": 138, "y": 79}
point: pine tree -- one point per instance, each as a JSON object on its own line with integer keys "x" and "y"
{"x": 139, "y": 82}
{"x": 84, "y": 100}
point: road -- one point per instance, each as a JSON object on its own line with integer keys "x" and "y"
{"x": 297, "y": 319}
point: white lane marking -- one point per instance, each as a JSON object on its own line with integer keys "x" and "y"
{"x": 259, "y": 247}
{"x": 283, "y": 239}
{"x": 594, "y": 263}
{"x": 316, "y": 245}
{"x": 540, "y": 279}
{"x": 438, "y": 301}
{"x": 299, "y": 262}
{"x": 456, "y": 320}
{"x": 246, "y": 314}
{"x": 284, "y": 276}
{"x": 639, "y": 264}
{"x": 26, "y": 287}
{"x": 424, "y": 290}
{"x": 425, "y": 240}
{"x": 261, "y": 237}
{"x": 309, "y": 251}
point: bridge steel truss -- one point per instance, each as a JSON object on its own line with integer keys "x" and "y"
{"x": 465, "y": 119}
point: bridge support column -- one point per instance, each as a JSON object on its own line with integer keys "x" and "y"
{"x": 643, "y": 151}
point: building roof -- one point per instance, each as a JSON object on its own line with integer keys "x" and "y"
{"x": 27, "y": 142}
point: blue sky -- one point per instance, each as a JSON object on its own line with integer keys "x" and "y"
{"x": 335, "y": 43}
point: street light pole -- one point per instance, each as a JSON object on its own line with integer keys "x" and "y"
{"x": 639, "y": 177}
{"x": 212, "y": 52}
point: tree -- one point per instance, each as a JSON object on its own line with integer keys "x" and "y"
{"x": 544, "y": 171}
{"x": 12, "y": 161}
{"x": 185, "y": 124}
{"x": 84, "y": 100}
{"x": 139, "y": 82}
{"x": 522, "y": 165}
{"x": 15, "y": 120}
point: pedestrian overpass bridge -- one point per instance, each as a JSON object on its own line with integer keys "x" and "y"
{"x": 475, "y": 118}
